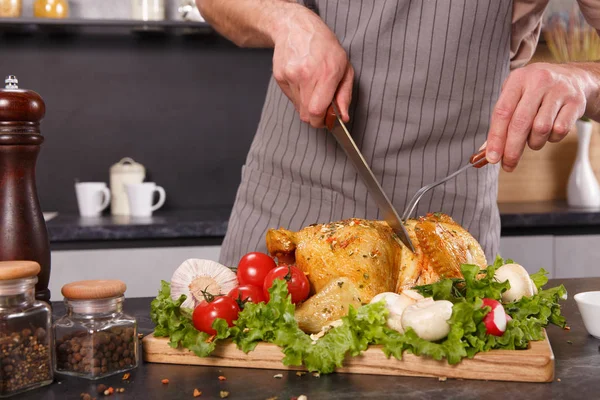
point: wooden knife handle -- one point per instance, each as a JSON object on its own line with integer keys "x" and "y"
{"x": 478, "y": 159}
{"x": 330, "y": 118}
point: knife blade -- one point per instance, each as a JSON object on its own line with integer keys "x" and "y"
{"x": 336, "y": 126}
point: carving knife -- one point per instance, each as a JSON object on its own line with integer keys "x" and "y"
{"x": 336, "y": 126}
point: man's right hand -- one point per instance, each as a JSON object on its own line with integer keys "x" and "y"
{"x": 311, "y": 66}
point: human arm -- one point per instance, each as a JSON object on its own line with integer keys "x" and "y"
{"x": 309, "y": 64}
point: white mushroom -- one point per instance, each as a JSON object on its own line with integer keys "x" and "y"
{"x": 428, "y": 318}
{"x": 520, "y": 282}
{"x": 396, "y": 304}
{"x": 195, "y": 275}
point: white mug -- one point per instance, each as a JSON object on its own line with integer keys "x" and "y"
{"x": 92, "y": 198}
{"x": 141, "y": 196}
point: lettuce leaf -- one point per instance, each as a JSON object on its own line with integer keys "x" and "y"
{"x": 175, "y": 322}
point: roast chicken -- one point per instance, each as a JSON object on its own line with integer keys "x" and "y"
{"x": 371, "y": 259}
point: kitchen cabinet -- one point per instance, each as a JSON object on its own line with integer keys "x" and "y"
{"x": 141, "y": 269}
{"x": 577, "y": 256}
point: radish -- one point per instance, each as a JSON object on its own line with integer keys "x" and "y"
{"x": 495, "y": 321}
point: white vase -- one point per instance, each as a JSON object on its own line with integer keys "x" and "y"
{"x": 583, "y": 189}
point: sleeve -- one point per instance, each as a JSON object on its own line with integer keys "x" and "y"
{"x": 526, "y": 28}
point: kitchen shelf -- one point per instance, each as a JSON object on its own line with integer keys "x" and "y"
{"x": 76, "y": 24}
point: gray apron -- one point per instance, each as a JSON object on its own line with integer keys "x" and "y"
{"x": 428, "y": 73}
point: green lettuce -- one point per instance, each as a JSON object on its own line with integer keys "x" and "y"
{"x": 175, "y": 322}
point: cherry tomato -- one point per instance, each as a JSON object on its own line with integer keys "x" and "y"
{"x": 251, "y": 293}
{"x": 297, "y": 282}
{"x": 222, "y": 307}
{"x": 253, "y": 268}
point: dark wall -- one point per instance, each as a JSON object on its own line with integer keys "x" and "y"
{"x": 184, "y": 106}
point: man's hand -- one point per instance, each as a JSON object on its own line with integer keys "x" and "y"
{"x": 539, "y": 103}
{"x": 311, "y": 67}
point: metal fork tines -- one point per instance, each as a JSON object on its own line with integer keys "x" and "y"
{"x": 477, "y": 160}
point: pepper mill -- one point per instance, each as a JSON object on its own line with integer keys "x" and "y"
{"x": 23, "y": 234}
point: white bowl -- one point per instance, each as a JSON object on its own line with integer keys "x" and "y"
{"x": 589, "y": 307}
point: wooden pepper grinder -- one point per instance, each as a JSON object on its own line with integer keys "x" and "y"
{"x": 23, "y": 234}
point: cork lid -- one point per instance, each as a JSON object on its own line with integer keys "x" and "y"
{"x": 94, "y": 289}
{"x": 18, "y": 269}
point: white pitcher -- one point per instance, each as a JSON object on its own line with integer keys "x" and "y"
{"x": 583, "y": 189}
{"x": 124, "y": 172}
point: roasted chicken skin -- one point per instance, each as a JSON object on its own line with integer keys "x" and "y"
{"x": 370, "y": 255}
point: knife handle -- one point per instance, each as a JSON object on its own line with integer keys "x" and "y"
{"x": 478, "y": 159}
{"x": 330, "y": 117}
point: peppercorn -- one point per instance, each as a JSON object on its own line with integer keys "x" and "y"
{"x": 24, "y": 359}
{"x": 96, "y": 353}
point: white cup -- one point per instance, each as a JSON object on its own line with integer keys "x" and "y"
{"x": 141, "y": 196}
{"x": 92, "y": 198}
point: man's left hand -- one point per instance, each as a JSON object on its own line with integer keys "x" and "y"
{"x": 538, "y": 103}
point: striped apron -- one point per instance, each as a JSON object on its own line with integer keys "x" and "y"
{"x": 428, "y": 73}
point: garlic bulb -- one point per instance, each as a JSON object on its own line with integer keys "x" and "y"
{"x": 195, "y": 275}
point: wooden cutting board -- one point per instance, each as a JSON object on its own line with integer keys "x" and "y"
{"x": 535, "y": 364}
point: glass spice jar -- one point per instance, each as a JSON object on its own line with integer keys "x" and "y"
{"x": 95, "y": 338}
{"x": 25, "y": 330}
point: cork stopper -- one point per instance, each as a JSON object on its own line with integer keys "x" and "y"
{"x": 21, "y": 110}
{"x": 94, "y": 289}
{"x": 18, "y": 269}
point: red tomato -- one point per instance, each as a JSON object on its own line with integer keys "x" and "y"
{"x": 297, "y": 282}
{"x": 253, "y": 268}
{"x": 222, "y": 307}
{"x": 251, "y": 293}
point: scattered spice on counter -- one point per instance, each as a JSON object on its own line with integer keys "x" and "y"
{"x": 126, "y": 376}
{"x": 222, "y": 378}
{"x": 25, "y": 359}
{"x": 164, "y": 381}
{"x": 97, "y": 353}
{"x": 197, "y": 393}
{"x": 223, "y": 394}
{"x": 101, "y": 388}
{"x": 300, "y": 373}
{"x": 278, "y": 376}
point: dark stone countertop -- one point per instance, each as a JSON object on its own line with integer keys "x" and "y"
{"x": 577, "y": 357}
{"x": 162, "y": 225}
{"x": 548, "y": 214}
{"x": 517, "y": 219}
